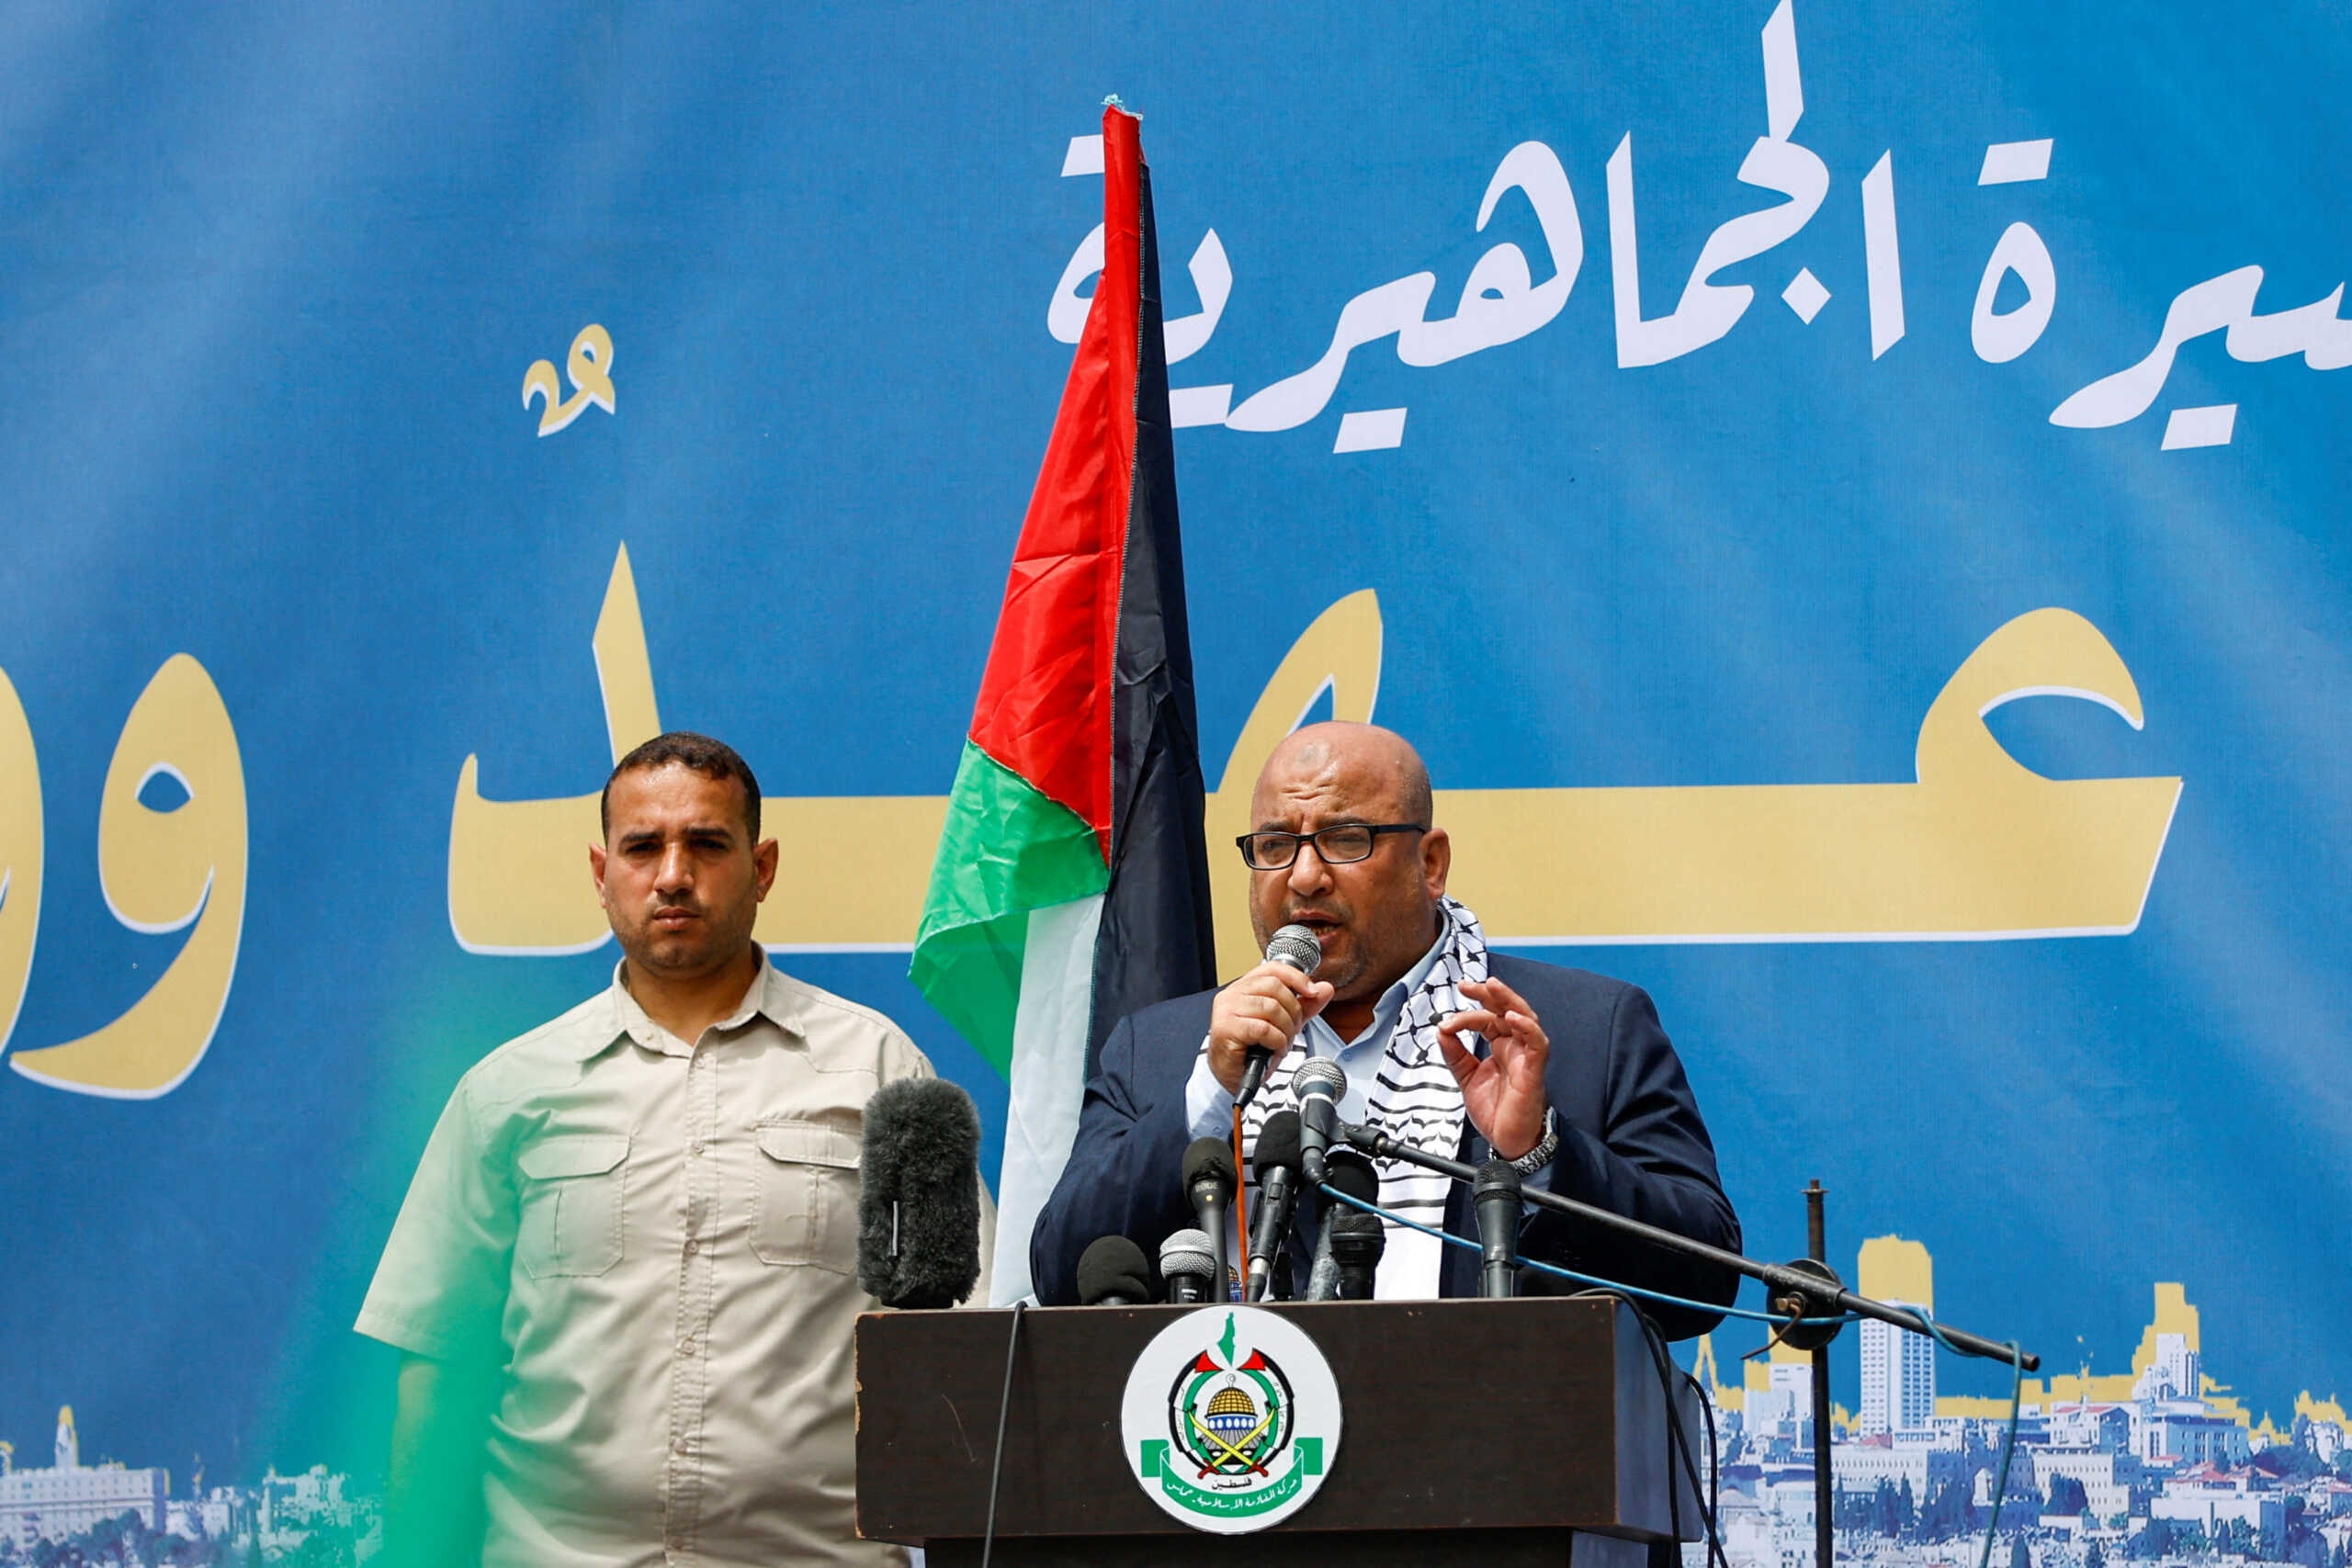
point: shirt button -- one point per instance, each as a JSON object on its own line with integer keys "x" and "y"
{"x": 694, "y": 1149}
{"x": 691, "y": 1246}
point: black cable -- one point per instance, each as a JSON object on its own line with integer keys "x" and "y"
{"x": 1708, "y": 1505}
{"x": 1678, "y": 1441}
{"x": 1715, "y": 1450}
{"x": 1003, "y": 1409}
{"x": 1667, "y": 1374}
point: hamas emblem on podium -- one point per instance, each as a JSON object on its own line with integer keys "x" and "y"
{"x": 1231, "y": 1419}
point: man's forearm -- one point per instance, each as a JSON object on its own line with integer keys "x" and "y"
{"x": 433, "y": 1507}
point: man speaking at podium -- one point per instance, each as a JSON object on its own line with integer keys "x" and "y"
{"x": 1448, "y": 1046}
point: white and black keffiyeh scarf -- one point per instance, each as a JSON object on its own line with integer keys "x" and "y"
{"x": 1414, "y": 1099}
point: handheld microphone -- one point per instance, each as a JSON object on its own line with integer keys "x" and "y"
{"x": 1113, "y": 1272}
{"x": 1319, "y": 1083}
{"x": 1209, "y": 1182}
{"x": 1353, "y": 1174}
{"x": 1187, "y": 1264}
{"x": 1298, "y": 947}
{"x": 1276, "y": 1162}
{"x": 1496, "y": 1196}
{"x": 919, "y": 1196}
{"x": 1357, "y": 1241}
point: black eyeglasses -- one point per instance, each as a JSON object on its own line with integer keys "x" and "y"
{"x": 1336, "y": 846}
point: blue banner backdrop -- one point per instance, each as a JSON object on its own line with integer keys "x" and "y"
{"x": 1938, "y": 318}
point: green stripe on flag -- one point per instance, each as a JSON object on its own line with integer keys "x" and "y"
{"x": 1005, "y": 850}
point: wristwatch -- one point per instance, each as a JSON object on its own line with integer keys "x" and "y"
{"x": 1541, "y": 1155}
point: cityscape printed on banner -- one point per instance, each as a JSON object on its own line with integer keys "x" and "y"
{"x": 108, "y": 1514}
{"x": 2159, "y": 1465}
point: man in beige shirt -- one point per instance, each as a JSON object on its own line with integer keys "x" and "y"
{"x": 624, "y": 1280}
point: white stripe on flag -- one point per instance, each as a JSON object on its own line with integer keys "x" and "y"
{"x": 1049, "y": 1078}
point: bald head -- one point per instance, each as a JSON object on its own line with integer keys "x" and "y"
{"x": 1375, "y": 916}
{"x": 1380, "y": 759}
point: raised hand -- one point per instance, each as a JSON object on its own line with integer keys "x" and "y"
{"x": 1504, "y": 1090}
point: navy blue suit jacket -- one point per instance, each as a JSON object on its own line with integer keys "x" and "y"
{"x": 1631, "y": 1141}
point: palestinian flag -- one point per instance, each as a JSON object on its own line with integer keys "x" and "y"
{"x": 1071, "y": 885}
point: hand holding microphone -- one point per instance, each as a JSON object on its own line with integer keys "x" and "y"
{"x": 1254, "y": 1019}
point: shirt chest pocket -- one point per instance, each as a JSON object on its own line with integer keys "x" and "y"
{"x": 574, "y": 1186}
{"x": 804, "y": 1196}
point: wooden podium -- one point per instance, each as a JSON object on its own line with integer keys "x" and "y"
{"x": 1496, "y": 1433}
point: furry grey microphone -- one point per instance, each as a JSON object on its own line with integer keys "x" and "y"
{"x": 1299, "y": 948}
{"x": 919, "y": 1201}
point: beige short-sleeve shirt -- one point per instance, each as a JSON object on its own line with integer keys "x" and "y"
{"x": 659, "y": 1240}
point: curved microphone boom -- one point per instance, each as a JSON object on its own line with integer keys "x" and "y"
{"x": 1298, "y": 947}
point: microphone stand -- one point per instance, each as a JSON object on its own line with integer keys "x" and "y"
{"x": 1805, "y": 1289}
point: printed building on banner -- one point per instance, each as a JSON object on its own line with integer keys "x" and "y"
{"x": 1898, "y": 1376}
{"x": 2124, "y": 1461}
{"x": 69, "y": 1497}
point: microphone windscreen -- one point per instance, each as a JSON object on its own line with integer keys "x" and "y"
{"x": 1496, "y": 1177}
{"x": 1353, "y": 1174}
{"x": 1206, "y": 1158}
{"x": 1321, "y": 1072}
{"x": 1187, "y": 1252}
{"x": 921, "y": 1159}
{"x": 1358, "y": 1239}
{"x": 1297, "y": 946}
{"x": 1277, "y": 1143}
{"x": 1114, "y": 1266}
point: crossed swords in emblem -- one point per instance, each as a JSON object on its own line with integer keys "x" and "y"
{"x": 1233, "y": 1451}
